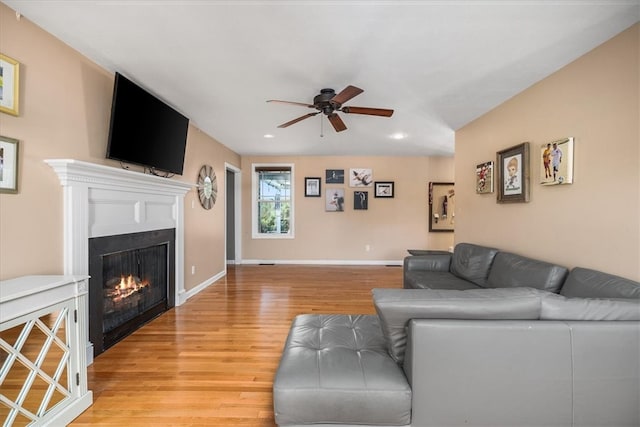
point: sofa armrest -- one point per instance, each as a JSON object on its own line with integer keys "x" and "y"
{"x": 431, "y": 262}
{"x": 527, "y": 372}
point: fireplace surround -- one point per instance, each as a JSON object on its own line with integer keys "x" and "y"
{"x": 101, "y": 200}
{"x": 132, "y": 282}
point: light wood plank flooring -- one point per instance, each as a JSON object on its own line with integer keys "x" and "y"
{"x": 211, "y": 361}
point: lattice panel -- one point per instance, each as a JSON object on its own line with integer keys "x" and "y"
{"x": 34, "y": 377}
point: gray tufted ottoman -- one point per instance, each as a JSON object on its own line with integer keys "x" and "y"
{"x": 335, "y": 369}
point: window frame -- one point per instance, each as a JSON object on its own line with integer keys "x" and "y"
{"x": 255, "y": 234}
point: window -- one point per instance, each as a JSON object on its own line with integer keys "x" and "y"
{"x": 272, "y": 190}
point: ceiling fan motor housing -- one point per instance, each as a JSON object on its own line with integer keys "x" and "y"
{"x": 322, "y": 101}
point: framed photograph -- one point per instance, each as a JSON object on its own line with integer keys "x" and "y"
{"x": 442, "y": 206}
{"x": 334, "y": 176}
{"x": 360, "y": 178}
{"x": 9, "y": 149}
{"x": 360, "y": 200}
{"x": 556, "y": 166}
{"x": 484, "y": 178}
{"x": 513, "y": 174}
{"x": 334, "y": 201}
{"x": 312, "y": 187}
{"x": 383, "y": 189}
{"x": 9, "y": 85}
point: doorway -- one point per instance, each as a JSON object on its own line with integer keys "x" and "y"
{"x": 233, "y": 218}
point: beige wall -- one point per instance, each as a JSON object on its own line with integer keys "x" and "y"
{"x": 389, "y": 226}
{"x": 593, "y": 222}
{"x": 65, "y": 109}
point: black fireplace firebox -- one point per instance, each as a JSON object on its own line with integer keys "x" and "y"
{"x": 132, "y": 281}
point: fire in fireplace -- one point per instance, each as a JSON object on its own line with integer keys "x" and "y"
{"x": 132, "y": 282}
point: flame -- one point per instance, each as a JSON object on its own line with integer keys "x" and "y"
{"x": 128, "y": 285}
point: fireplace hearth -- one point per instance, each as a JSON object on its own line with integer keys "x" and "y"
{"x": 131, "y": 283}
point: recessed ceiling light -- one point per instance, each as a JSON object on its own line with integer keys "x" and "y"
{"x": 268, "y": 135}
{"x": 399, "y": 135}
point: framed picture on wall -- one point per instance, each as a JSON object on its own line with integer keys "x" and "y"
{"x": 334, "y": 200}
{"x": 360, "y": 177}
{"x": 556, "y": 163}
{"x": 360, "y": 200}
{"x": 513, "y": 174}
{"x": 384, "y": 189}
{"x": 484, "y": 178}
{"x": 312, "y": 187}
{"x": 8, "y": 165}
{"x": 441, "y": 206}
{"x": 334, "y": 176}
{"x": 9, "y": 85}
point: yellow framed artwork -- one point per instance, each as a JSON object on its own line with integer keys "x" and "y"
{"x": 9, "y": 85}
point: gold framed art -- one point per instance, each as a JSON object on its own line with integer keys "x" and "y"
{"x": 9, "y": 85}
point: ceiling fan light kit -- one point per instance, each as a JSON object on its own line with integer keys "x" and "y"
{"x": 329, "y": 103}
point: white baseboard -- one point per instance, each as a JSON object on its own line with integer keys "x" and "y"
{"x": 323, "y": 262}
{"x": 184, "y": 296}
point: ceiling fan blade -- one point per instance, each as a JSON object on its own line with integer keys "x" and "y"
{"x": 346, "y": 94}
{"x": 292, "y": 103}
{"x": 337, "y": 122}
{"x": 299, "y": 119}
{"x": 369, "y": 111}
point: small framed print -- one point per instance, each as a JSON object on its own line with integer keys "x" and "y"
{"x": 9, "y": 85}
{"x": 360, "y": 178}
{"x": 8, "y": 165}
{"x": 360, "y": 200}
{"x": 484, "y": 178}
{"x": 556, "y": 167}
{"x": 513, "y": 174}
{"x": 334, "y": 176}
{"x": 334, "y": 201}
{"x": 312, "y": 187}
{"x": 384, "y": 189}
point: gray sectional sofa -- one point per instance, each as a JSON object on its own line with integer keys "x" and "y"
{"x": 502, "y": 350}
{"x": 475, "y": 267}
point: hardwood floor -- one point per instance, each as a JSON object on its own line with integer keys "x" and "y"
{"x": 211, "y": 361}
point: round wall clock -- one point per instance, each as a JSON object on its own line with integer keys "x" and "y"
{"x": 207, "y": 187}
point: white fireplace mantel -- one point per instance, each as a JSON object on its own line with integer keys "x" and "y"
{"x": 101, "y": 201}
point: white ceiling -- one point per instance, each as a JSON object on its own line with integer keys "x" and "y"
{"x": 438, "y": 64}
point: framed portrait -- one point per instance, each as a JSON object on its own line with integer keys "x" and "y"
{"x": 442, "y": 206}
{"x": 360, "y": 200}
{"x": 334, "y": 200}
{"x": 312, "y": 187}
{"x": 360, "y": 178}
{"x": 556, "y": 162}
{"x": 9, "y": 149}
{"x": 484, "y": 178}
{"x": 9, "y": 89}
{"x": 384, "y": 189}
{"x": 513, "y": 174}
{"x": 334, "y": 176}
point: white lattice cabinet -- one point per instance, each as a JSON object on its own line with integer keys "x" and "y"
{"x": 43, "y": 367}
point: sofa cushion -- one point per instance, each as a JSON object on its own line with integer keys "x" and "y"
{"x": 396, "y": 307}
{"x": 558, "y": 307}
{"x": 435, "y": 280}
{"x": 472, "y": 262}
{"x": 335, "y": 369}
{"x": 511, "y": 270}
{"x": 583, "y": 282}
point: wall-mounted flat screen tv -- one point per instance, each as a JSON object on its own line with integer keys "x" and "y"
{"x": 145, "y": 130}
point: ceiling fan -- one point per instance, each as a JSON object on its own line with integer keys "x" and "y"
{"x": 329, "y": 103}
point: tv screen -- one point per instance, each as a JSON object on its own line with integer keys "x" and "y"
{"x": 144, "y": 130}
